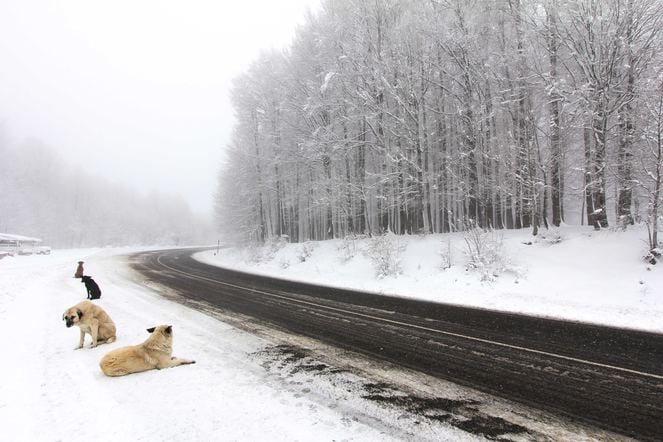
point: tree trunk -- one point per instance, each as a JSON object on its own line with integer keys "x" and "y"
{"x": 556, "y": 191}
{"x": 600, "y": 127}
{"x": 626, "y": 129}
{"x": 589, "y": 180}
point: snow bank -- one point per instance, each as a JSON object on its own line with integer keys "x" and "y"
{"x": 588, "y": 276}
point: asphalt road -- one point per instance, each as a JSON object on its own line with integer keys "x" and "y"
{"x": 607, "y": 377}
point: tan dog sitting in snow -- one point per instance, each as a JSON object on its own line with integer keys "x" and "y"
{"x": 79, "y": 270}
{"x": 155, "y": 352}
{"x": 91, "y": 319}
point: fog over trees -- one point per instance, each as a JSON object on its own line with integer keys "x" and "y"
{"x": 43, "y": 196}
{"x": 431, "y": 116}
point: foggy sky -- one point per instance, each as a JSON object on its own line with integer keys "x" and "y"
{"x": 136, "y": 91}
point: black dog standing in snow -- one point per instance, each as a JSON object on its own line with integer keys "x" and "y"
{"x": 93, "y": 290}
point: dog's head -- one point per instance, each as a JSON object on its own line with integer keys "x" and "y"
{"x": 161, "y": 334}
{"x": 85, "y": 279}
{"x": 72, "y": 316}
{"x": 162, "y": 329}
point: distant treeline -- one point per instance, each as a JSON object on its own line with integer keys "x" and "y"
{"x": 429, "y": 116}
{"x": 42, "y": 196}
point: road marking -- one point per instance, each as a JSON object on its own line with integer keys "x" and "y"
{"x": 391, "y": 321}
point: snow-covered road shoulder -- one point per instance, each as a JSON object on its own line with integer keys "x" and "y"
{"x": 50, "y": 391}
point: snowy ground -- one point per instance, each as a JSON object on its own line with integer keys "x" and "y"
{"x": 51, "y": 392}
{"x": 588, "y": 276}
{"x": 242, "y": 388}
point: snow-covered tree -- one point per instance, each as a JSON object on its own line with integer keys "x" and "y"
{"x": 418, "y": 117}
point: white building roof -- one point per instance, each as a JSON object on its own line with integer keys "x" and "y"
{"x": 10, "y": 237}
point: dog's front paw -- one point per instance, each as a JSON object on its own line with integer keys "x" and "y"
{"x": 78, "y": 348}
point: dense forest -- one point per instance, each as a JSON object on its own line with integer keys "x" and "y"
{"x": 43, "y": 196}
{"x": 418, "y": 116}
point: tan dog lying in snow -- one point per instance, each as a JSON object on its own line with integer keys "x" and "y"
{"x": 91, "y": 319}
{"x": 155, "y": 352}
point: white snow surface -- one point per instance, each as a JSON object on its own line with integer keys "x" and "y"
{"x": 589, "y": 276}
{"x": 51, "y": 392}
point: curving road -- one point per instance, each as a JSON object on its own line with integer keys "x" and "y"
{"x": 608, "y": 377}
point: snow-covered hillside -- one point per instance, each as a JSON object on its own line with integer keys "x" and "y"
{"x": 573, "y": 273}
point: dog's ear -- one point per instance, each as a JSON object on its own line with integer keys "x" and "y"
{"x": 169, "y": 329}
{"x": 151, "y": 330}
{"x": 80, "y": 313}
